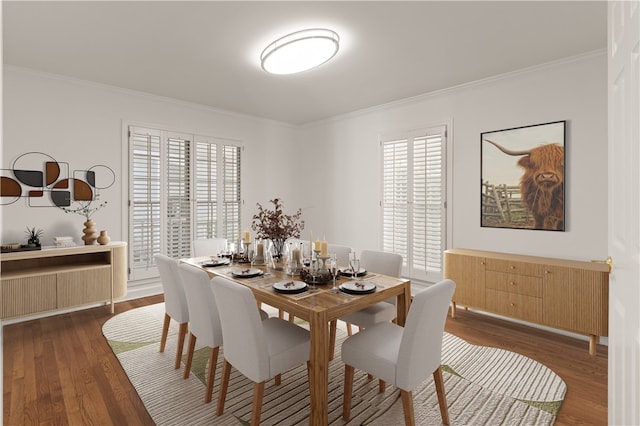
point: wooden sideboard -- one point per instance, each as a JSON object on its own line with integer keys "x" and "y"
{"x": 58, "y": 278}
{"x": 564, "y": 294}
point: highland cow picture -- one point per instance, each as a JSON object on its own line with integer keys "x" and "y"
{"x": 522, "y": 177}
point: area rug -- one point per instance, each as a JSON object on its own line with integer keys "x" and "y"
{"x": 484, "y": 385}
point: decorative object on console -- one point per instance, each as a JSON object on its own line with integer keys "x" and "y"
{"x": 528, "y": 192}
{"x": 90, "y": 236}
{"x": 63, "y": 242}
{"x": 33, "y": 236}
{"x": 103, "y": 238}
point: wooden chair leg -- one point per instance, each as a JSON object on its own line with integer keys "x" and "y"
{"x": 292, "y": 318}
{"x": 347, "y": 393}
{"x": 407, "y": 407}
{"x": 258, "y": 394}
{"x": 278, "y": 379}
{"x": 333, "y": 326}
{"x": 184, "y": 328}
{"x": 349, "y": 330}
{"x": 213, "y": 361}
{"x": 442, "y": 397}
{"x": 192, "y": 347}
{"x": 382, "y": 385}
{"x": 369, "y": 376}
{"x": 280, "y": 314}
{"x": 165, "y": 331}
{"x": 224, "y": 384}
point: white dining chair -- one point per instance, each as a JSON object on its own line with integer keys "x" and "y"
{"x": 175, "y": 303}
{"x": 204, "y": 322}
{"x": 342, "y": 253}
{"x": 209, "y": 247}
{"x": 378, "y": 262}
{"x": 403, "y": 356}
{"x": 260, "y": 350}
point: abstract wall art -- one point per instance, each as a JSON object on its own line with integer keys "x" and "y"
{"x": 45, "y": 182}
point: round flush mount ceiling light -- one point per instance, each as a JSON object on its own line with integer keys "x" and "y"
{"x": 300, "y": 51}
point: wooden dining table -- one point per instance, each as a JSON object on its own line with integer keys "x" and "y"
{"x": 320, "y": 308}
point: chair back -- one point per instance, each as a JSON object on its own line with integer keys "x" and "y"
{"x": 204, "y": 321}
{"x": 381, "y": 262}
{"x": 245, "y": 346}
{"x": 421, "y": 346}
{"x": 208, "y": 247}
{"x": 342, "y": 253}
{"x": 175, "y": 301}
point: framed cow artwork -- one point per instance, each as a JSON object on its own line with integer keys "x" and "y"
{"x": 522, "y": 177}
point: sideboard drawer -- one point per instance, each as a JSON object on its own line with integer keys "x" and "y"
{"x": 514, "y": 267}
{"x": 514, "y": 305}
{"x": 512, "y": 283}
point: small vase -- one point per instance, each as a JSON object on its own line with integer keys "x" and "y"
{"x": 103, "y": 238}
{"x": 90, "y": 234}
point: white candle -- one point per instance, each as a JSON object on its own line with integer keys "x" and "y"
{"x": 296, "y": 254}
{"x": 246, "y": 237}
{"x": 324, "y": 251}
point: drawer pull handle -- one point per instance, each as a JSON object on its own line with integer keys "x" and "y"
{"x": 513, "y": 267}
{"x": 512, "y": 304}
{"x": 512, "y": 283}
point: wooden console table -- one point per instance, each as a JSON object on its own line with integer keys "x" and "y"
{"x": 57, "y": 278}
{"x": 564, "y": 294}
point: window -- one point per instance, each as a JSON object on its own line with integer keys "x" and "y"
{"x": 413, "y": 200}
{"x": 182, "y": 187}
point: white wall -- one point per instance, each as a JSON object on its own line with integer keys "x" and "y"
{"x": 331, "y": 169}
{"x": 347, "y": 202}
{"x": 82, "y": 123}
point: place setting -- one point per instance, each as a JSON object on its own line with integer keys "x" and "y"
{"x": 214, "y": 262}
{"x": 355, "y": 286}
{"x": 246, "y": 272}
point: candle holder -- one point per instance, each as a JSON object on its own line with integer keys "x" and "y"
{"x": 324, "y": 259}
{"x": 260, "y": 258}
{"x": 245, "y": 252}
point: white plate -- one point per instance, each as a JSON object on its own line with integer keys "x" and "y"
{"x": 246, "y": 272}
{"x": 358, "y": 287}
{"x": 290, "y": 286}
{"x": 347, "y": 272}
{"x": 212, "y": 263}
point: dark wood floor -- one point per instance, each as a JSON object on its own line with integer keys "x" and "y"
{"x": 60, "y": 370}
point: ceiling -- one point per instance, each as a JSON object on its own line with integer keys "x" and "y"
{"x": 208, "y": 52}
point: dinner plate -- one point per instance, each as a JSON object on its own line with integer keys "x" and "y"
{"x": 212, "y": 263}
{"x": 358, "y": 287}
{"x": 246, "y": 272}
{"x": 290, "y": 287}
{"x": 347, "y": 272}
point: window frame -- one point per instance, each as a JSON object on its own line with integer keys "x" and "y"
{"x": 409, "y": 270}
{"x": 149, "y": 270}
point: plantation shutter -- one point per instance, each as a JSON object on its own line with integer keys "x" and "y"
{"x": 182, "y": 187}
{"x": 231, "y": 192}
{"x": 413, "y": 201}
{"x": 206, "y": 202}
{"x": 178, "y": 192}
{"x": 145, "y": 196}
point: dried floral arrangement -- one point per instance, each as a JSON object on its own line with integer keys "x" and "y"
{"x": 275, "y": 224}
{"x": 85, "y": 208}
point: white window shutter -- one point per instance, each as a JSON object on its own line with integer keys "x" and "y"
{"x": 413, "y": 201}
{"x": 145, "y": 196}
{"x": 182, "y": 187}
